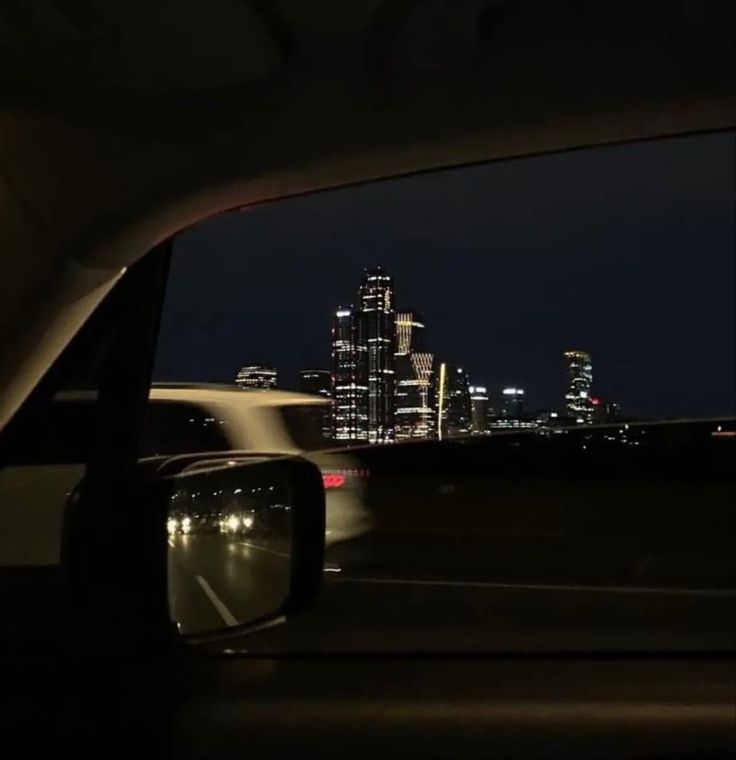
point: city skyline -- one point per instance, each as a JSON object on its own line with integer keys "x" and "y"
{"x": 626, "y": 252}
{"x": 386, "y": 385}
{"x": 418, "y": 382}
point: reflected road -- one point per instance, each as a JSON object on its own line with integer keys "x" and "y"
{"x": 216, "y": 581}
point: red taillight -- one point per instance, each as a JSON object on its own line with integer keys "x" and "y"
{"x": 338, "y": 478}
{"x": 333, "y": 481}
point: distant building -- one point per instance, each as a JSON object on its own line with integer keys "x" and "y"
{"x": 604, "y": 412}
{"x": 413, "y": 411}
{"x": 512, "y": 403}
{"x": 376, "y": 298}
{"x": 579, "y": 385}
{"x": 349, "y": 377}
{"x": 318, "y": 382}
{"x": 511, "y": 423}
{"x": 453, "y": 407}
{"x": 513, "y": 415}
{"x": 256, "y": 377}
{"x": 479, "y": 409}
{"x": 546, "y": 419}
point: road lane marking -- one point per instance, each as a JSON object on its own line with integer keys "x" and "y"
{"x": 268, "y": 551}
{"x": 171, "y": 543}
{"x": 217, "y": 603}
{"x": 543, "y": 587}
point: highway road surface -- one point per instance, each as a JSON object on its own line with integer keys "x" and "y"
{"x": 369, "y": 605}
{"x": 216, "y": 581}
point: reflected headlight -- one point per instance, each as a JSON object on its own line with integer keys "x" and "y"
{"x": 186, "y": 525}
{"x": 171, "y": 525}
{"x": 232, "y": 523}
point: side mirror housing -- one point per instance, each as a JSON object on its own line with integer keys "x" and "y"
{"x": 202, "y": 546}
{"x": 244, "y": 540}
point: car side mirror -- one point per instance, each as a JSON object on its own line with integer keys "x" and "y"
{"x": 245, "y": 540}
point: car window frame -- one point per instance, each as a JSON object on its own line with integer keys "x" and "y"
{"x": 114, "y": 589}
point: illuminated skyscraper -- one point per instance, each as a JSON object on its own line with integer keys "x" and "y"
{"x": 349, "y": 377}
{"x": 256, "y": 377}
{"x": 579, "y": 384}
{"x": 479, "y": 409}
{"x": 377, "y": 317}
{"x": 413, "y": 413}
{"x": 453, "y": 402}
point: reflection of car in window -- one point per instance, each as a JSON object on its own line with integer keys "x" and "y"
{"x": 183, "y": 419}
{"x": 180, "y": 428}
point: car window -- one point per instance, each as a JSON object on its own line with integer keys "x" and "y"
{"x": 528, "y": 366}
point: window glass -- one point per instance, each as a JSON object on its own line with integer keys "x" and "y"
{"x": 172, "y": 428}
{"x": 308, "y": 425}
{"x": 529, "y": 370}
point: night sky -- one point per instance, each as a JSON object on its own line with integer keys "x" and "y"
{"x": 626, "y": 252}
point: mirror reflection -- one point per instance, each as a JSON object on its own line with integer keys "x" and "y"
{"x": 229, "y": 543}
